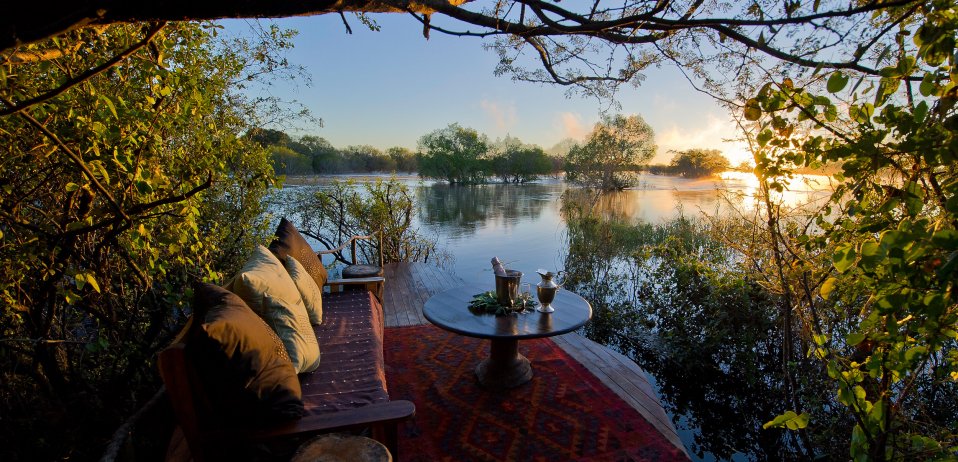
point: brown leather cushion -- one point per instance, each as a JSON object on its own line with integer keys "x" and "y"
{"x": 241, "y": 363}
{"x": 290, "y": 242}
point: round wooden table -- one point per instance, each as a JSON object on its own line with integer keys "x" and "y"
{"x": 505, "y": 367}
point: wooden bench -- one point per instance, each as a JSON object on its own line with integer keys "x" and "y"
{"x": 347, "y": 392}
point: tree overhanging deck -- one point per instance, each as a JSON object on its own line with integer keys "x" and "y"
{"x": 409, "y": 285}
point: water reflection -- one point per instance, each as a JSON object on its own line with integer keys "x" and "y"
{"x": 524, "y": 225}
{"x": 461, "y": 210}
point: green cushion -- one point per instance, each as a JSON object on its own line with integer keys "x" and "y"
{"x": 290, "y": 242}
{"x": 241, "y": 362}
{"x": 311, "y": 293}
{"x": 267, "y": 288}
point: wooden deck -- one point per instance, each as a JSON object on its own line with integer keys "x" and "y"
{"x": 409, "y": 285}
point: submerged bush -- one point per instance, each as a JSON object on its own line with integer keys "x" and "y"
{"x": 331, "y": 214}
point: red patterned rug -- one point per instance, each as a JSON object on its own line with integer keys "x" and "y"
{"x": 563, "y": 413}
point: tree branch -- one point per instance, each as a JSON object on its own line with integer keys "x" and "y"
{"x": 13, "y": 109}
{"x": 74, "y": 157}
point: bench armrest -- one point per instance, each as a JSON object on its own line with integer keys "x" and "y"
{"x": 380, "y": 413}
{"x": 356, "y": 281}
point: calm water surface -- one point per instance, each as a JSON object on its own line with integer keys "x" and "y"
{"x": 523, "y": 225}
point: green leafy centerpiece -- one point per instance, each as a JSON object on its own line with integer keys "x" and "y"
{"x": 487, "y": 303}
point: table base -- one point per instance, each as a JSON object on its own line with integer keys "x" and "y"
{"x": 505, "y": 367}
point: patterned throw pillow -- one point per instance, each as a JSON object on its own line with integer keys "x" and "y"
{"x": 290, "y": 242}
{"x": 242, "y": 363}
{"x": 267, "y": 288}
{"x": 311, "y": 293}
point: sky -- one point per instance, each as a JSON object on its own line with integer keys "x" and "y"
{"x": 389, "y": 88}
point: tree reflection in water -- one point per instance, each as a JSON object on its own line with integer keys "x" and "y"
{"x": 669, "y": 296}
{"x": 461, "y": 210}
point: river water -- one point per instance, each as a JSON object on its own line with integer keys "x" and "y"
{"x": 524, "y": 226}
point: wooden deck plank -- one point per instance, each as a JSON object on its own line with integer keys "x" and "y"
{"x": 422, "y": 293}
{"x": 423, "y": 283}
{"x": 409, "y": 285}
{"x": 408, "y": 291}
{"x": 393, "y": 291}
{"x": 451, "y": 279}
{"x": 615, "y": 363}
{"x": 423, "y": 289}
{"x": 389, "y": 296}
{"x": 405, "y": 296}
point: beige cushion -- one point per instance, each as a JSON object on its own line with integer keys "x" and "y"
{"x": 267, "y": 288}
{"x": 311, "y": 293}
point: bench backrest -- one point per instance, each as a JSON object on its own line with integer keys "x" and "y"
{"x": 185, "y": 390}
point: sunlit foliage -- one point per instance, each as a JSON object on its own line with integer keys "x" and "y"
{"x": 119, "y": 188}
{"x": 873, "y": 292}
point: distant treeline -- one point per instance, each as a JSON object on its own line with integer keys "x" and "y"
{"x": 457, "y": 155}
{"x": 506, "y": 160}
{"x": 311, "y": 154}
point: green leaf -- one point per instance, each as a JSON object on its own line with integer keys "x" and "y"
{"x": 916, "y": 353}
{"x": 861, "y": 113}
{"x": 827, "y": 287}
{"x": 92, "y": 281}
{"x": 844, "y": 258}
{"x": 72, "y": 187}
{"x": 871, "y": 254}
{"x": 946, "y": 239}
{"x": 753, "y": 110}
{"x": 927, "y": 86}
{"x": 859, "y": 393}
{"x": 109, "y": 105}
{"x": 914, "y": 199}
{"x": 837, "y": 82}
{"x": 75, "y": 225}
{"x": 144, "y": 187}
{"x": 71, "y": 297}
{"x": 790, "y": 420}
{"x": 855, "y": 338}
{"x": 764, "y": 137}
{"x": 921, "y": 110}
{"x": 951, "y": 204}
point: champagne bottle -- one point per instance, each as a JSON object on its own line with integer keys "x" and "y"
{"x": 497, "y": 267}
